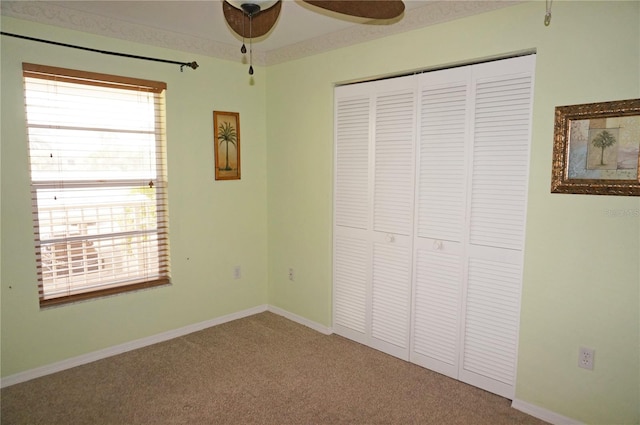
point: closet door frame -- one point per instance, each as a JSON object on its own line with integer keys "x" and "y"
{"x": 368, "y": 256}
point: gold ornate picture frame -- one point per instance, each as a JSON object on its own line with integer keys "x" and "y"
{"x": 226, "y": 143}
{"x": 596, "y": 149}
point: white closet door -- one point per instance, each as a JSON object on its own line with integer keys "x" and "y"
{"x": 440, "y": 218}
{"x": 502, "y": 93}
{"x": 352, "y": 210}
{"x": 451, "y": 223}
{"x": 373, "y": 212}
{"x": 393, "y": 194}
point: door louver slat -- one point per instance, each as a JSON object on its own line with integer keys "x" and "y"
{"x": 352, "y": 163}
{"x": 500, "y": 162}
{"x": 442, "y": 162}
{"x": 390, "y": 286}
{"x": 394, "y": 139}
{"x": 492, "y": 319}
{"x": 437, "y": 314}
{"x": 350, "y": 282}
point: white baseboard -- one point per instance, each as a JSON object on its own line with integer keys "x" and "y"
{"x": 301, "y": 320}
{"x": 127, "y": 346}
{"x": 543, "y": 414}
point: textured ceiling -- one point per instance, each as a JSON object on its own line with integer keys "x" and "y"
{"x": 199, "y": 26}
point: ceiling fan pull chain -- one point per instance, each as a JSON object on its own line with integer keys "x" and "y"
{"x": 547, "y": 15}
{"x": 250, "y": 44}
{"x": 243, "y": 49}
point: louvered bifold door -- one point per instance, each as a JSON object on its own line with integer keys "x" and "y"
{"x": 393, "y": 195}
{"x": 440, "y": 218}
{"x": 431, "y": 176}
{"x": 375, "y": 126}
{"x": 502, "y": 93}
{"x": 352, "y": 211}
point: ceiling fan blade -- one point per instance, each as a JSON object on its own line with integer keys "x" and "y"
{"x": 261, "y": 23}
{"x": 373, "y": 9}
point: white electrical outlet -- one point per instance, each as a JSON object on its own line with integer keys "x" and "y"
{"x": 586, "y": 358}
{"x": 291, "y": 274}
{"x": 237, "y": 273}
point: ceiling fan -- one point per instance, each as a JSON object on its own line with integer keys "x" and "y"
{"x": 255, "y": 18}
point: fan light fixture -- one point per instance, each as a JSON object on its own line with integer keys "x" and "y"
{"x": 252, "y": 6}
{"x": 250, "y": 9}
{"x": 261, "y": 15}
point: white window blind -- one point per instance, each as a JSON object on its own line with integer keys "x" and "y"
{"x": 98, "y": 182}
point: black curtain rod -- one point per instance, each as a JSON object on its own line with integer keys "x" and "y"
{"x": 192, "y": 65}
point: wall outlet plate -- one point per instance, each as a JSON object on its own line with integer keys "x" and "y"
{"x": 586, "y": 358}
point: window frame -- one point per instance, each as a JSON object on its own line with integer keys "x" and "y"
{"x": 159, "y": 182}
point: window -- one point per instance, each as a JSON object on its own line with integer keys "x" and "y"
{"x": 98, "y": 182}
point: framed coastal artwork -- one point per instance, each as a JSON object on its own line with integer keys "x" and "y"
{"x": 596, "y": 148}
{"x": 226, "y": 129}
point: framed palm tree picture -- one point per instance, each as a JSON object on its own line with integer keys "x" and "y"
{"x": 226, "y": 129}
{"x": 596, "y": 148}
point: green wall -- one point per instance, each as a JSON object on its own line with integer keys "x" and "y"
{"x": 582, "y": 272}
{"x": 214, "y": 225}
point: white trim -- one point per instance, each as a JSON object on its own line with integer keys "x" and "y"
{"x": 127, "y": 346}
{"x": 301, "y": 320}
{"x": 543, "y": 414}
{"x": 154, "y": 339}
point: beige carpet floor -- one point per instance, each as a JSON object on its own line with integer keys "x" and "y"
{"x": 262, "y": 369}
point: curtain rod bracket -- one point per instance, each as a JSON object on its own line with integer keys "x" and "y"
{"x": 192, "y": 65}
